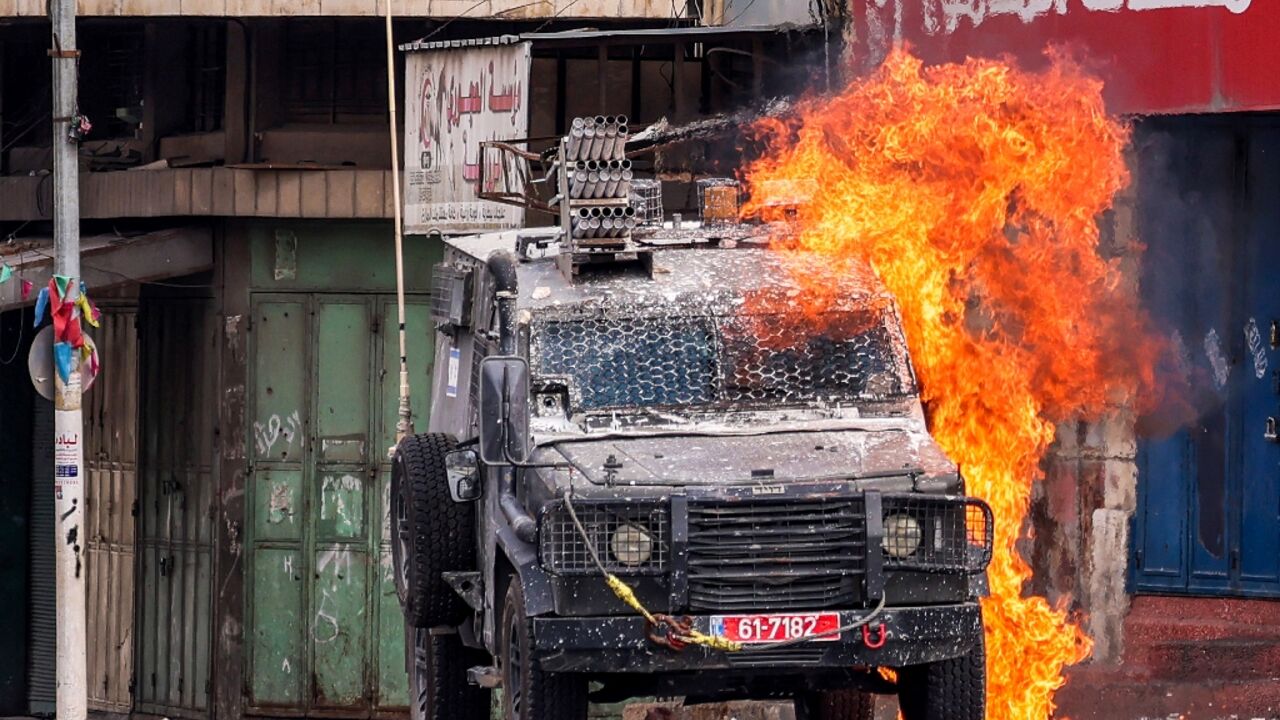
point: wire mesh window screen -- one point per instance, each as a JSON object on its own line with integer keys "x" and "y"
{"x": 621, "y": 362}
{"x": 618, "y": 533}
{"x": 933, "y": 533}
{"x": 788, "y": 357}
{"x": 705, "y": 360}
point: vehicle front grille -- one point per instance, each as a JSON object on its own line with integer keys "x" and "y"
{"x": 776, "y": 554}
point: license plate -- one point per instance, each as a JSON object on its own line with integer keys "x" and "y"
{"x": 749, "y": 629}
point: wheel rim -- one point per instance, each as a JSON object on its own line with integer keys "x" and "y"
{"x": 512, "y": 687}
{"x": 420, "y": 674}
{"x": 402, "y": 538}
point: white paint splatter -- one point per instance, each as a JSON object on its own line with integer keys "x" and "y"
{"x": 280, "y": 505}
{"x": 267, "y": 434}
{"x": 335, "y": 492}
{"x": 324, "y": 620}
{"x": 1217, "y": 359}
{"x": 339, "y": 558}
{"x": 1253, "y": 337}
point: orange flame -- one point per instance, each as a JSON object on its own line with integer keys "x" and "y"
{"x": 974, "y": 190}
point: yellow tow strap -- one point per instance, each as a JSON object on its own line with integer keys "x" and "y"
{"x": 692, "y": 636}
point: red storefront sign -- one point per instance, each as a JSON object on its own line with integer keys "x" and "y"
{"x": 1156, "y": 56}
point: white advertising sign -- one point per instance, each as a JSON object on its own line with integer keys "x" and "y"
{"x": 456, "y": 98}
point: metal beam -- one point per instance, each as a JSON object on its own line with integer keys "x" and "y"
{"x": 108, "y": 262}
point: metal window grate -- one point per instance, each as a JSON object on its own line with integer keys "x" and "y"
{"x": 646, "y": 198}
{"x": 701, "y": 360}
{"x": 937, "y": 533}
{"x": 563, "y": 551}
{"x": 718, "y": 200}
{"x": 781, "y": 555}
{"x": 451, "y": 295}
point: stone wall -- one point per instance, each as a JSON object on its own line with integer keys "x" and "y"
{"x": 1081, "y": 509}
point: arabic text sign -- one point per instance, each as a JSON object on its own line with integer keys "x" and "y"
{"x": 455, "y": 99}
{"x": 1155, "y": 56}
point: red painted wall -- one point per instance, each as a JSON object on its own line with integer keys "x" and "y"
{"x": 1156, "y": 56}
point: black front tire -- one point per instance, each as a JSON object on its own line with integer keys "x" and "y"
{"x": 430, "y": 533}
{"x": 850, "y": 704}
{"x": 953, "y": 689}
{"x": 438, "y": 687}
{"x": 529, "y": 693}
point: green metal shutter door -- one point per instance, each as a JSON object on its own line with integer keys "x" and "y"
{"x": 111, "y": 451}
{"x": 279, "y": 425}
{"x": 179, "y": 372}
{"x": 325, "y": 628}
{"x": 341, "y": 479}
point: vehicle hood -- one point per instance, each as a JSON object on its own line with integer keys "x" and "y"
{"x": 759, "y": 458}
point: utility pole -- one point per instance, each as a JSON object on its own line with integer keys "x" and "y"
{"x": 68, "y": 448}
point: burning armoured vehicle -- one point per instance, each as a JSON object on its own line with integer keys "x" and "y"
{"x": 666, "y": 478}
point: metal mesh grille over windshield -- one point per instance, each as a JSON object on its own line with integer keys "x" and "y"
{"x": 674, "y": 361}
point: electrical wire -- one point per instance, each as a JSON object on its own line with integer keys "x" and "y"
{"x": 22, "y": 324}
{"x": 448, "y": 22}
{"x": 13, "y": 234}
{"x": 502, "y": 13}
{"x": 128, "y": 278}
{"x": 558, "y": 14}
{"x": 16, "y": 138}
{"x": 741, "y": 12}
{"x": 32, "y": 118}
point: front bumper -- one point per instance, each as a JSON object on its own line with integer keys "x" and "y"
{"x": 913, "y": 635}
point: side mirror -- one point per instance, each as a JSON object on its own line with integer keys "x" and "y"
{"x": 463, "y": 470}
{"x": 504, "y": 410}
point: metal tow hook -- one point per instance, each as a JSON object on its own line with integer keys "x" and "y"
{"x": 667, "y": 631}
{"x": 879, "y": 641}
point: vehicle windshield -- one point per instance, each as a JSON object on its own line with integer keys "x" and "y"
{"x": 723, "y": 361}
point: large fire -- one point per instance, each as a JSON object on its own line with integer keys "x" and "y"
{"x": 974, "y": 190}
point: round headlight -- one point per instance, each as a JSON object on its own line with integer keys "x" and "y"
{"x": 901, "y": 535}
{"x": 631, "y": 545}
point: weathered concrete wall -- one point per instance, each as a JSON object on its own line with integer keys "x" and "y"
{"x": 507, "y": 9}
{"x": 1080, "y": 511}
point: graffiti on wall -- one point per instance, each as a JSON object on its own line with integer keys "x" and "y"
{"x": 1153, "y": 55}
{"x": 884, "y": 18}
{"x": 945, "y": 16}
{"x": 885, "y": 22}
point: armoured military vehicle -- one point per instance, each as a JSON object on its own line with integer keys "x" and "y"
{"x": 675, "y": 474}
